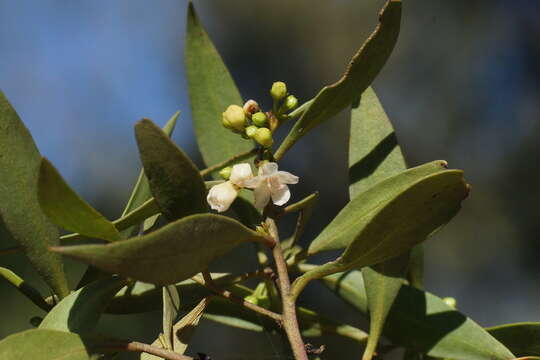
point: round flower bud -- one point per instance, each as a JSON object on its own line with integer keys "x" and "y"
{"x": 251, "y": 130}
{"x": 290, "y": 103}
{"x": 234, "y": 118}
{"x": 251, "y": 107}
{"x": 279, "y": 90}
{"x": 226, "y": 172}
{"x": 264, "y": 137}
{"x": 259, "y": 119}
{"x": 450, "y": 301}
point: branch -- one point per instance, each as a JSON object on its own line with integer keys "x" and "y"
{"x": 135, "y": 346}
{"x": 290, "y": 322}
{"x": 211, "y": 285}
{"x": 11, "y": 250}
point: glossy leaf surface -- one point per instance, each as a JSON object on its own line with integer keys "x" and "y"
{"x": 174, "y": 180}
{"x": 20, "y": 212}
{"x": 363, "y": 68}
{"x": 168, "y": 255}
{"x": 211, "y": 91}
{"x": 67, "y": 210}
{"x": 80, "y": 311}
{"x": 359, "y": 212}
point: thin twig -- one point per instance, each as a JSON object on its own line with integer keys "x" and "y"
{"x": 135, "y": 346}
{"x": 228, "y": 162}
{"x": 11, "y": 250}
{"x": 290, "y": 321}
{"x": 211, "y": 285}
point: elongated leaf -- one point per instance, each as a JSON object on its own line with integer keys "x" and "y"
{"x": 80, "y": 311}
{"x": 359, "y": 212}
{"x": 363, "y": 68}
{"x": 20, "y": 212}
{"x": 374, "y": 155}
{"x": 171, "y": 254}
{"x": 174, "y": 180}
{"x": 423, "y": 322}
{"x": 382, "y": 282}
{"x": 66, "y": 209}
{"x": 184, "y": 329}
{"x": 211, "y": 91}
{"x": 171, "y": 309}
{"x": 141, "y": 191}
{"x": 42, "y": 344}
{"x": 523, "y": 339}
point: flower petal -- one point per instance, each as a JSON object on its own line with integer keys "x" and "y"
{"x": 287, "y": 178}
{"x": 280, "y": 195}
{"x": 240, "y": 173}
{"x": 262, "y": 196}
{"x": 268, "y": 169}
{"x": 220, "y": 197}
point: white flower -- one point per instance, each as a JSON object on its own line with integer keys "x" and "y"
{"x": 221, "y": 196}
{"x": 271, "y": 183}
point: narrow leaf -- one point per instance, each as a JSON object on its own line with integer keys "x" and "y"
{"x": 211, "y": 91}
{"x": 80, "y": 311}
{"x": 42, "y": 344}
{"x": 27, "y": 290}
{"x": 523, "y": 339}
{"x": 168, "y": 255}
{"x": 184, "y": 329}
{"x": 141, "y": 191}
{"x": 174, "y": 180}
{"x": 20, "y": 212}
{"x": 171, "y": 309}
{"x": 360, "y": 211}
{"x": 374, "y": 156}
{"x": 363, "y": 68}
{"x": 439, "y": 330}
{"x": 67, "y": 210}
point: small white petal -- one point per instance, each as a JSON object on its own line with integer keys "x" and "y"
{"x": 254, "y": 182}
{"x": 220, "y": 197}
{"x": 287, "y": 178}
{"x": 240, "y": 173}
{"x": 268, "y": 169}
{"x": 262, "y": 196}
{"x": 281, "y": 195}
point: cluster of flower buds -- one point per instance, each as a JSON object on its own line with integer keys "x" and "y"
{"x": 253, "y": 123}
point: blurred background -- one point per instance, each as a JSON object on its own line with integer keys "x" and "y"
{"x": 462, "y": 85}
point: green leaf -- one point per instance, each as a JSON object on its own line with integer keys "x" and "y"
{"x": 174, "y": 180}
{"x": 421, "y": 321}
{"x": 20, "y": 212}
{"x": 523, "y": 339}
{"x": 80, "y": 311}
{"x": 184, "y": 329}
{"x": 67, "y": 210}
{"x": 374, "y": 155}
{"x": 211, "y": 91}
{"x": 141, "y": 191}
{"x": 361, "y": 211}
{"x": 41, "y": 344}
{"x": 173, "y": 253}
{"x": 382, "y": 282}
{"x": 171, "y": 309}
{"x": 363, "y": 68}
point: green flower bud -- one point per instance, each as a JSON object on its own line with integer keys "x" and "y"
{"x": 259, "y": 119}
{"x": 264, "y": 137}
{"x": 226, "y": 172}
{"x": 290, "y": 103}
{"x": 251, "y": 130}
{"x": 278, "y": 91}
{"x": 234, "y": 118}
{"x": 252, "y": 299}
{"x": 450, "y": 301}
